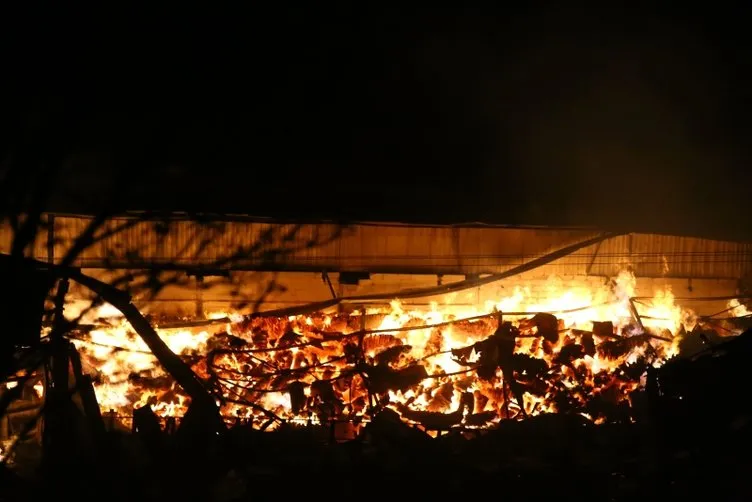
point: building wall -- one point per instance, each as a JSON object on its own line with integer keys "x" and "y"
{"x": 281, "y": 264}
{"x": 251, "y": 244}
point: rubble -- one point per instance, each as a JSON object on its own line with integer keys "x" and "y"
{"x": 539, "y": 408}
{"x": 671, "y": 451}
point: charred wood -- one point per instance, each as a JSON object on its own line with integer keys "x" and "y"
{"x": 382, "y": 378}
{"x": 438, "y": 421}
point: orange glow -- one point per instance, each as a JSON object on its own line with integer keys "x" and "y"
{"x": 321, "y": 366}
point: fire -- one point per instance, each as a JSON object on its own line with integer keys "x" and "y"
{"x": 573, "y": 349}
{"x": 737, "y": 309}
{"x": 119, "y": 359}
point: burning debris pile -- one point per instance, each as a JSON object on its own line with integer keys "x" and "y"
{"x": 581, "y": 352}
{"x": 505, "y": 395}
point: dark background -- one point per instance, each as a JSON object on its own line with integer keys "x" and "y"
{"x": 625, "y": 118}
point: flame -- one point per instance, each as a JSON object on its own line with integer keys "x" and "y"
{"x": 737, "y": 309}
{"x": 117, "y": 356}
{"x": 260, "y": 360}
{"x": 86, "y": 313}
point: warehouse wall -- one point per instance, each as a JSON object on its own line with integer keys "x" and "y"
{"x": 396, "y": 256}
{"x": 380, "y": 248}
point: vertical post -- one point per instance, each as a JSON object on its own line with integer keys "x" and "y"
{"x": 361, "y": 353}
{"x": 363, "y": 319}
{"x": 51, "y": 238}
{"x": 199, "y": 296}
{"x": 60, "y": 372}
{"x": 57, "y": 431}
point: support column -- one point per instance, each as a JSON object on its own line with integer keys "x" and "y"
{"x": 200, "y": 297}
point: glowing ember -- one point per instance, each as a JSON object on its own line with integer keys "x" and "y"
{"x": 438, "y": 367}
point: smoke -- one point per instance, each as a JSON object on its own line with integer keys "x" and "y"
{"x": 589, "y": 119}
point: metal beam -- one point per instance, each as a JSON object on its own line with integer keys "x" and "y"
{"x": 198, "y": 269}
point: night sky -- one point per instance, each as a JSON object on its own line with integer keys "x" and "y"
{"x": 622, "y": 118}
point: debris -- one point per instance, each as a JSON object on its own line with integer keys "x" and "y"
{"x": 613, "y": 349}
{"x": 391, "y": 354}
{"x": 438, "y": 421}
{"x": 297, "y": 396}
{"x": 548, "y": 326}
{"x": 705, "y": 385}
{"x": 603, "y": 329}
{"x": 382, "y": 378}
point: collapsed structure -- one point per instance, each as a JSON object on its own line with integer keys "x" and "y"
{"x": 458, "y": 326}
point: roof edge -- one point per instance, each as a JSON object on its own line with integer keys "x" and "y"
{"x": 213, "y": 216}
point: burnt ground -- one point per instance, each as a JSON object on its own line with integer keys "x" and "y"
{"x": 543, "y": 457}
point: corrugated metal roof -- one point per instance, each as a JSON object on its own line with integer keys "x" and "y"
{"x": 247, "y": 243}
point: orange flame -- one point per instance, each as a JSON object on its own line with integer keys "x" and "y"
{"x": 260, "y": 361}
